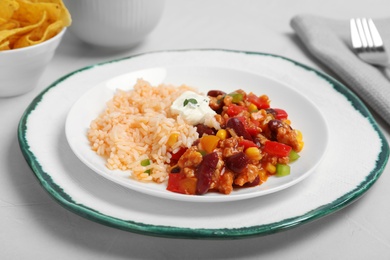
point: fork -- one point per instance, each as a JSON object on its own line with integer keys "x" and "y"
{"x": 367, "y": 42}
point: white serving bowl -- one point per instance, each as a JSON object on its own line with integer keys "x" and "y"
{"x": 114, "y": 23}
{"x": 21, "y": 69}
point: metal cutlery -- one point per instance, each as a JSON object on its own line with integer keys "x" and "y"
{"x": 367, "y": 42}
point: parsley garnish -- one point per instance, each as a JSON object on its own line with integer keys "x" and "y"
{"x": 191, "y": 100}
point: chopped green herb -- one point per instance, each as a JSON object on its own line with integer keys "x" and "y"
{"x": 146, "y": 162}
{"x": 191, "y": 100}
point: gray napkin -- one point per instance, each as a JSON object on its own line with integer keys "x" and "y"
{"x": 329, "y": 41}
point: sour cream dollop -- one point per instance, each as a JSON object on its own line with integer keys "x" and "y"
{"x": 192, "y": 107}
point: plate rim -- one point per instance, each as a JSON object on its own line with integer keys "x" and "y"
{"x": 65, "y": 200}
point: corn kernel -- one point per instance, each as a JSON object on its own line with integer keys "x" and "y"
{"x": 299, "y": 135}
{"x": 300, "y": 146}
{"x": 287, "y": 121}
{"x": 270, "y": 168}
{"x": 172, "y": 139}
{"x": 253, "y": 153}
{"x": 300, "y": 140}
{"x": 222, "y": 133}
{"x": 252, "y": 108}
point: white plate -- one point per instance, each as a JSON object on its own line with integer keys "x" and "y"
{"x": 303, "y": 113}
{"x": 356, "y": 155}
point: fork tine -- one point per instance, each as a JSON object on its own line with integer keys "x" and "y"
{"x": 367, "y": 42}
{"x": 367, "y": 33}
{"x": 362, "y": 35}
{"x": 376, "y": 38}
{"x": 355, "y": 38}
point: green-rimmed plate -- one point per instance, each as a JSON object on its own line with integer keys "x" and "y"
{"x": 356, "y": 156}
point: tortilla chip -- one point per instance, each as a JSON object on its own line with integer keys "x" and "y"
{"x": 7, "y": 9}
{"x": 4, "y": 46}
{"x": 28, "y": 22}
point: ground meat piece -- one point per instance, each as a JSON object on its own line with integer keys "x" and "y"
{"x": 287, "y": 136}
{"x": 225, "y": 184}
{"x": 259, "y": 115}
{"x": 283, "y": 160}
{"x": 245, "y": 114}
{"x": 248, "y": 175}
{"x": 228, "y": 100}
{"x": 216, "y": 103}
{"x": 274, "y": 159}
{"x": 229, "y": 146}
{"x": 191, "y": 158}
{"x": 269, "y": 159}
{"x": 218, "y": 171}
{"x": 189, "y": 172}
{"x": 224, "y": 116}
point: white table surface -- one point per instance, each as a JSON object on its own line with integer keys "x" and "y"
{"x": 34, "y": 226}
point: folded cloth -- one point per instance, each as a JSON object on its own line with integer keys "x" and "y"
{"x": 329, "y": 41}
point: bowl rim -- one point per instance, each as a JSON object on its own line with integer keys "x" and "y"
{"x": 46, "y": 42}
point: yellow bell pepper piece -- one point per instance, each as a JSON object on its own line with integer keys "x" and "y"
{"x": 209, "y": 142}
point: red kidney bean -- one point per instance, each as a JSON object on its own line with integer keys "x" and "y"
{"x": 273, "y": 126}
{"x": 215, "y": 93}
{"x": 271, "y": 111}
{"x": 237, "y": 162}
{"x": 238, "y": 127}
{"x": 204, "y": 172}
{"x": 203, "y": 129}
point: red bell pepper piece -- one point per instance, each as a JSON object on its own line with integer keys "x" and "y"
{"x": 180, "y": 184}
{"x": 251, "y": 127}
{"x": 280, "y": 113}
{"x": 173, "y": 182}
{"x": 234, "y": 110}
{"x": 261, "y": 102}
{"x": 252, "y": 131}
{"x": 176, "y": 156}
{"x": 247, "y": 144}
{"x": 277, "y": 149}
